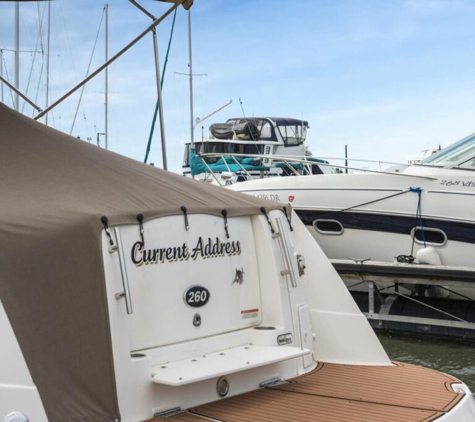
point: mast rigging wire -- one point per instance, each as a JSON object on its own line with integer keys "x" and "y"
{"x": 154, "y": 119}
{"x": 39, "y": 40}
{"x": 87, "y": 74}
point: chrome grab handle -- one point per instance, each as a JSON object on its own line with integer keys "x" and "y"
{"x": 123, "y": 271}
{"x": 284, "y": 246}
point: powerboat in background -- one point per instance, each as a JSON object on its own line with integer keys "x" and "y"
{"x": 248, "y": 148}
{"x": 380, "y": 216}
{"x": 412, "y": 232}
{"x": 131, "y": 293}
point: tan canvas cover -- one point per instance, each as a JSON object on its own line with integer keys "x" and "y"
{"x": 53, "y": 191}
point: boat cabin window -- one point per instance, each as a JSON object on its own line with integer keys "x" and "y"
{"x": 204, "y": 147}
{"x": 455, "y": 153}
{"x": 292, "y": 131}
{"x": 323, "y": 226}
{"x": 469, "y": 164}
{"x": 434, "y": 237}
{"x": 266, "y": 130}
{"x": 292, "y": 134}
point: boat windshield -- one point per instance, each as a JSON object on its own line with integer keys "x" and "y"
{"x": 464, "y": 149}
{"x": 293, "y": 135}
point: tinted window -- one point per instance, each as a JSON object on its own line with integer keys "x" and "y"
{"x": 434, "y": 236}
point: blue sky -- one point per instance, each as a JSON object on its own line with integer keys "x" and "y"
{"x": 388, "y": 78}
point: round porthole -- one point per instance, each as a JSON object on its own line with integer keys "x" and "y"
{"x": 222, "y": 387}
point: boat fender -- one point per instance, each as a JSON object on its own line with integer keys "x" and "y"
{"x": 429, "y": 256}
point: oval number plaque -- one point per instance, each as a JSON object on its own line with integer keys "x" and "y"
{"x": 196, "y": 296}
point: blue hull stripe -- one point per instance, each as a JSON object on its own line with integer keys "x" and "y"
{"x": 456, "y": 231}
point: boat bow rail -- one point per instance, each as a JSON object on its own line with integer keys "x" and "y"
{"x": 229, "y": 168}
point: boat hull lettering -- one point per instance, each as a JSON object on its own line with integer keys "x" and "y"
{"x": 210, "y": 248}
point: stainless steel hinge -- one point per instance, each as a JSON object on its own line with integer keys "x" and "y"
{"x": 169, "y": 413}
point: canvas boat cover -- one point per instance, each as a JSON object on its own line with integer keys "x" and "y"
{"x": 246, "y": 131}
{"x": 54, "y": 190}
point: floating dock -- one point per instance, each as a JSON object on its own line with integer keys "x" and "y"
{"x": 421, "y": 299}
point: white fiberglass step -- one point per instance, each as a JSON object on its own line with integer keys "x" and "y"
{"x": 221, "y": 363}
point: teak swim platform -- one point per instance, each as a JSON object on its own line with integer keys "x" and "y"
{"x": 332, "y": 393}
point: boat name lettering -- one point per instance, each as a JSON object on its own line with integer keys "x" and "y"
{"x": 466, "y": 184}
{"x": 270, "y": 197}
{"x": 211, "y": 248}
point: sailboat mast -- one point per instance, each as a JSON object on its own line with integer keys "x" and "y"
{"x": 106, "y": 123}
{"x": 159, "y": 100}
{"x": 159, "y": 85}
{"x": 16, "y": 98}
{"x": 192, "y": 145}
{"x": 47, "y": 59}
{"x": 1, "y": 74}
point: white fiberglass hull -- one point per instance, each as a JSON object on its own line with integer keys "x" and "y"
{"x": 156, "y": 354}
{"x": 375, "y": 216}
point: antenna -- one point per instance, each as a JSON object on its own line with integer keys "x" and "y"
{"x": 242, "y": 109}
{"x": 106, "y": 79}
{"x": 190, "y": 77}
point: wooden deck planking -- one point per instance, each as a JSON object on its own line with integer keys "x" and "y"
{"x": 335, "y": 393}
{"x": 282, "y": 406}
{"x": 401, "y": 385}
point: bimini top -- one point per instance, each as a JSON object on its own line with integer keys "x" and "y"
{"x": 261, "y": 128}
{"x": 279, "y": 121}
{"x": 54, "y": 191}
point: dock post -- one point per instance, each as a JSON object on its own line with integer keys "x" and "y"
{"x": 371, "y": 297}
